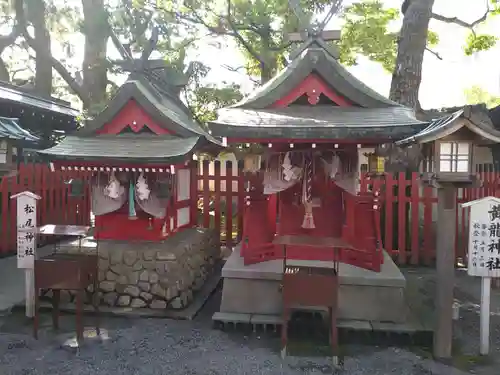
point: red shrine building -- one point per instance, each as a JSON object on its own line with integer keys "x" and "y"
{"x": 139, "y": 150}
{"x": 317, "y": 119}
{"x": 319, "y": 128}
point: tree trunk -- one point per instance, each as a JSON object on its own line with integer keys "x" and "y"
{"x": 266, "y": 72}
{"x": 4, "y": 71}
{"x": 407, "y": 73}
{"x": 95, "y": 65}
{"x": 36, "y": 12}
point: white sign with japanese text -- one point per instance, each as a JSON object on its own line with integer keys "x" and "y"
{"x": 26, "y": 229}
{"x": 484, "y": 237}
{"x": 484, "y": 256}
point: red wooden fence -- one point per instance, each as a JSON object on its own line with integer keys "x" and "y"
{"x": 408, "y": 217}
{"x": 55, "y": 207}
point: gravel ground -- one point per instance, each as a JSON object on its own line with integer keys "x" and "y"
{"x": 175, "y": 347}
{"x": 155, "y": 346}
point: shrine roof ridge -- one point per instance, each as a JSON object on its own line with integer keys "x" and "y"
{"x": 474, "y": 117}
{"x": 162, "y": 107}
{"x": 315, "y": 59}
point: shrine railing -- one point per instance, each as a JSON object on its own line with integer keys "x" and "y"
{"x": 407, "y": 217}
{"x": 361, "y": 229}
{"x": 55, "y": 207}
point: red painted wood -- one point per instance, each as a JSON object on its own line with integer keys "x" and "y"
{"x": 128, "y": 114}
{"x": 313, "y": 86}
{"x": 415, "y": 218}
{"x": 402, "y": 218}
{"x": 193, "y": 166}
{"x": 15, "y": 188}
{"x": 389, "y": 212}
{"x": 241, "y": 199}
{"x": 217, "y": 196}
{"x": 118, "y": 226}
{"x": 4, "y": 222}
{"x": 206, "y": 194}
{"x": 229, "y": 203}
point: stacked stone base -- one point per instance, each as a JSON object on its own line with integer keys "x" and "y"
{"x": 156, "y": 275}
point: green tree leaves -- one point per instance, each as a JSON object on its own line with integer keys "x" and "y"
{"x": 476, "y": 95}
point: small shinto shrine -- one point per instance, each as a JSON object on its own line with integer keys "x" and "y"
{"x": 312, "y": 131}
{"x": 143, "y": 193}
{"x": 319, "y": 128}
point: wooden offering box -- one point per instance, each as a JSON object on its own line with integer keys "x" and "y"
{"x": 310, "y": 284}
{"x": 60, "y": 271}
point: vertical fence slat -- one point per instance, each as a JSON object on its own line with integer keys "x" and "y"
{"x": 415, "y": 219}
{"x": 402, "y": 217}
{"x": 217, "y": 196}
{"x": 389, "y": 210}
{"x": 15, "y": 187}
{"x": 229, "y": 204}
{"x": 206, "y": 193}
{"x": 4, "y": 219}
{"x": 241, "y": 199}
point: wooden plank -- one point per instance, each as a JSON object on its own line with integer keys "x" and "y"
{"x": 193, "y": 193}
{"x": 389, "y": 210}
{"x": 415, "y": 219}
{"x": 402, "y": 218}
{"x": 241, "y": 199}
{"x": 217, "y": 194}
{"x": 428, "y": 248}
{"x": 15, "y": 187}
{"x": 4, "y": 221}
{"x": 229, "y": 204}
{"x": 206, "y": 193}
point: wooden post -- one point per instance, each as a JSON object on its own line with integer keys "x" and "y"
{"x": 445, "y": 271}
{"x": 484, "y": 347}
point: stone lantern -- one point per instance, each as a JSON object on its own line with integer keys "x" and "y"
{"x": 450, "y": 142}
{"x": 453, "y": 161}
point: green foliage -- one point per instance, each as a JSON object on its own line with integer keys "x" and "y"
{"x": 367, "y": 31}
{"x": 477, "y": 43}
{"x": 476, "y": 95}
{"x": 204, "y": 99}
{"x": 207, "y": 99}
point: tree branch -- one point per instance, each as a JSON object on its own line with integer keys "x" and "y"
{"x": 58, "y": 66}
{"x": 240, "y": 39}
{"x": 119, "y": 46}
{"x": 458, "y": 21}
{"x": 7, "y": 40}
{"x": 437, "y": 55}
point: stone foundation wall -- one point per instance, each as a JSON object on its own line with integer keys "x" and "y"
{"x": 151, "y": 274}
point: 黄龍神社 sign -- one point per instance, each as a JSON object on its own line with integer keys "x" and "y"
{"x": 484, "y": 237}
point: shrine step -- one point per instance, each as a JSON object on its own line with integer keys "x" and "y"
{"x": 412, "y": 326}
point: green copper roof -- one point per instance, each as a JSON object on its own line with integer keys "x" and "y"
{"x": 9, "y": 128}
{"x": 315, "y": 59}
{"x": 14, "y": 94}
{"x": 163, "y": 107}
{"x": 474, "y": 117}
{"x": 140, "y": 148}
{"x": 320, "y": 121}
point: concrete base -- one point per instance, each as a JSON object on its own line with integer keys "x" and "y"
{"x": 363, "y": 295}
